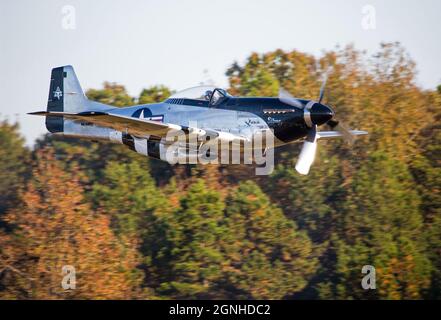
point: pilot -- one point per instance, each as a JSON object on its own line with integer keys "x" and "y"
{"x": 208, "y": 94}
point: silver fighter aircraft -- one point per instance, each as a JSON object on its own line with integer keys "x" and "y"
{"x": 205, "y": 112}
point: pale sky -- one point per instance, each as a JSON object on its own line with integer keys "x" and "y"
{"x": 141, "y": 43}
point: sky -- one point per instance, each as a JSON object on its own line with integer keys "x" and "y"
{"x": 182, "y": 43}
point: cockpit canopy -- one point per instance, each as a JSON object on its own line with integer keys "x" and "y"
{"x": 210, "y": 94}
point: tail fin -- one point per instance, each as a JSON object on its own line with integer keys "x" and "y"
{"x": 65, "y": 93}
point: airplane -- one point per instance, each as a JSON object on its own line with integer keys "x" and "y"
{"x": 219, "y": 117}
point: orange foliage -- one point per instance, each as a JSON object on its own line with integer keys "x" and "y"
{"x": 55, "y": 227}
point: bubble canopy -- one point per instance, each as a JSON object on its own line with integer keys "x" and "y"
{"x": 203, "y": 93}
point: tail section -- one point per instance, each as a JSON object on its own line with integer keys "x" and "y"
{"x": 66, "y": 95}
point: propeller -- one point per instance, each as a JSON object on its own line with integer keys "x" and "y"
{"x": 333, "y": 123}
{"x": 312, "y": 111}
{"x": 307, "y": 154}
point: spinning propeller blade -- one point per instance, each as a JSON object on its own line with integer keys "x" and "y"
{"x": 335, "y": 124}
{"x": 340, "y": 127}
{"x": 287, "y": 98}
{"x": 307, "y": 154}
{"x": 323, "y": 87}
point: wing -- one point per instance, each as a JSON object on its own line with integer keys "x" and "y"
{"x": 138, "y": 127}
{"x": 336, "y": 134}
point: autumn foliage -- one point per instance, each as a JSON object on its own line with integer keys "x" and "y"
{"x": 137, "y": 228}
{"x": 54, "y": 227}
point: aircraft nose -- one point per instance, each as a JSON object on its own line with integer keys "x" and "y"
{"x": 321, "y": 114}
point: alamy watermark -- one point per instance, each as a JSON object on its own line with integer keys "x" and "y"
{"x": 194, "y": 145}
{"x": 69, "y": 281}
{"x": 369, "y": 18}
{"x": 68, "y": 17}
{"x": 369, "y": 281}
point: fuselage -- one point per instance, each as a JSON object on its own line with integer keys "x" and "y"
{"x": 236, "y": 115}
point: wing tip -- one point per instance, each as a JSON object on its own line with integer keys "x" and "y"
{"x": 359, "y": 132}
{"x": 38, "y": 113}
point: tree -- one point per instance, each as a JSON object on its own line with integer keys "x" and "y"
{"x": 264, "y": 74}
{"x": 135, "y": 207}
{"x": 241, "y": 247}
{"x": 86, "y": 158}
{"x": 128, "y": 195}
{"x": 426, "y": 169}
{"x": 192, "y": 247}
{"x": 54, "y": 227}
{"x": 14, "y": 160}
{"x": 253, "y": 79}
{"x": 154, "y": 94}
{"x": 268, "y": 257}
{"x": 382, "y": 226}
{"x": 112, "y": 94}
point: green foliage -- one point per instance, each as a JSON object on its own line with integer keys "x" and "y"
{"x": 426, "y": 169}
{"x": 269, "y": 258}
{"x": 192, "y": 235}
{"x": 127, "y": 193}
{"x": 14, "y": 163}
{"x": 382, "y": 226}
{"x": 242, "y": 247}
{"x": 90, "y": 158}
{"x": 254, "y": 78}
{"x": 154, "y": 94}
{"x": 112, "y": 93}
{"x": 313, "y": 200}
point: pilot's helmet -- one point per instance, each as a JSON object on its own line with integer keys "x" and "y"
{"x": 208, "y": 94}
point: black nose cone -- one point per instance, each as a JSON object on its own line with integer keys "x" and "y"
{"x": 321, "y": 114}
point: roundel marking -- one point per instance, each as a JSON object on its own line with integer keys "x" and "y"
{"x": 142, "y": 113}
